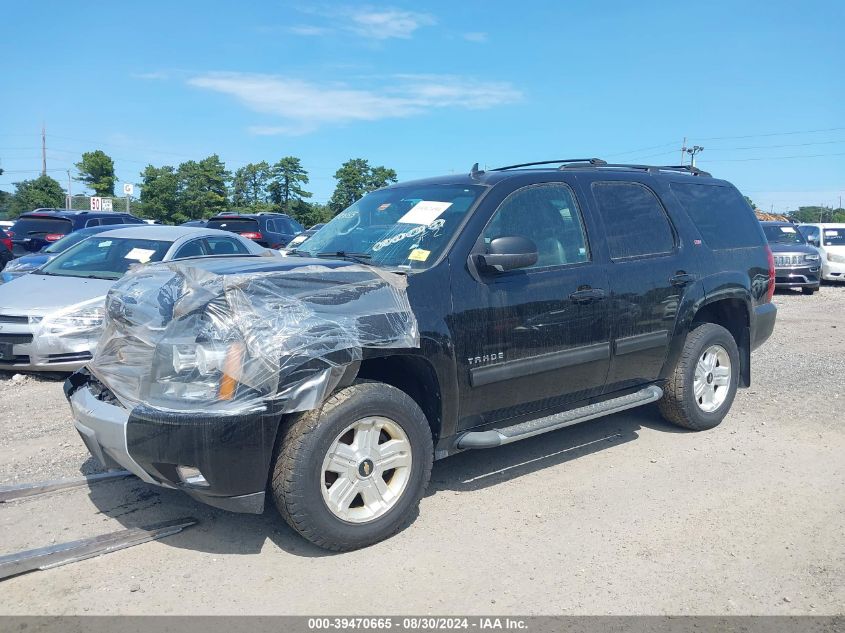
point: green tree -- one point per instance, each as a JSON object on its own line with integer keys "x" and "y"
{"x": 355, "y": 178}
{"x": 96, "y": 169}
{"x": 818, "y": 214}
{"x": 286, "y": 186}
{"x": 750, "y": 202}
{"x": 309, "y": 213}
{"x": 249, "y": 185}
{"x": 202, "y": 188}
{"x": 160, "y": 193}
{"x": 36, "y": 193}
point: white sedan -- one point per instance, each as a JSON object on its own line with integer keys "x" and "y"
{"x": 50, "y": 319}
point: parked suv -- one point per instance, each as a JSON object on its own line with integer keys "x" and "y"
{"x": 796, "y": 262}
{"x": 34, "y": 230}
{"x": 829, "y": 239}
{"x": 429, "y": 318}
{"x": 271, "y": 230}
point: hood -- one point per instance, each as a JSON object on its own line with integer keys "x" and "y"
{"x": 793, "y": 248}
{"x": 41, "y": 295}
{"x": 233, "y": 334}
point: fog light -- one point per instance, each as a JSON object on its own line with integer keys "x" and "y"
{"x": 191, "y": 475}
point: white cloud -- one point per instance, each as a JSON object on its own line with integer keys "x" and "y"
{"x": 367, "y": 22}
{"x": 305, "y": 106}
{"x": 387, "y": 23}
{"x": 477, "y": 37}
{"x": 159, "y": 74}
{"x": 308, "y": 30}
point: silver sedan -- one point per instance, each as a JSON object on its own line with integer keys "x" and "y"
{"x": 50, "y": 320}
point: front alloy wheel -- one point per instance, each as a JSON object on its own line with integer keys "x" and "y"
{"x": 366, "y": 469}
{"x": 352, "y": 473}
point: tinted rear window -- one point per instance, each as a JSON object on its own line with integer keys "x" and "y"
{"x": 635, "y": 223}
{"x": 39, "y": 225}
{"x": 723, "y": 217}
{"x": 236, "y": 225}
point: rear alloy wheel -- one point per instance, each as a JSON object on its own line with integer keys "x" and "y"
{"x": 702, "y": 385}
{"x": 352, "y": 473}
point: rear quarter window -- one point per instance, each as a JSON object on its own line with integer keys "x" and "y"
{"x": 723, "y": 217}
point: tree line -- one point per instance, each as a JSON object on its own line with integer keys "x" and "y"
{"x": 200, "y": 189}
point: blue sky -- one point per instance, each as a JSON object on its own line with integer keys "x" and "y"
{"x": 431, "y": 88}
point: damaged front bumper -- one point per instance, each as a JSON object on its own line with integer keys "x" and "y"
{"x": 219, "y": 459}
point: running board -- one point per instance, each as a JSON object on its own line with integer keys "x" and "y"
{"x": 506, "y": 435}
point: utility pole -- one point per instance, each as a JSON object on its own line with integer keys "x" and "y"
{"x": 692, "y": 151}
{"x": 69, "y": 192}
{"x": 43, "y": 150}
{"x": 683, "y": 149}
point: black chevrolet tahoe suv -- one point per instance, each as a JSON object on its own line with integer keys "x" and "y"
{"x": 540, "y": 296}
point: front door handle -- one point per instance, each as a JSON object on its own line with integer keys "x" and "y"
{"x": 587, "y": 295}
{"x": 681, "y": 279}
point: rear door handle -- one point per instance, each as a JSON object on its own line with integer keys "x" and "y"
{"x": 587, "y": 295}
{"x": 681, "y": 279}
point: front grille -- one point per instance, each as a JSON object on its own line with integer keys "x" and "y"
{"x": 10, "y": 318}
{"x": 789, "y": 260}
{"x": 16, "y": 339}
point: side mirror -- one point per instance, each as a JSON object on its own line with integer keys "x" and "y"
{"x": 813, "y": 241}
{"x": 509, "y": 253}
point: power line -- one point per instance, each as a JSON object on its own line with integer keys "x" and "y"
{"x": 724, "y": 138}
{"x": 741, "y": 160}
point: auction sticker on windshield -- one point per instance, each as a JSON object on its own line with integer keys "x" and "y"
{"x": 419, "y": 255}
{"x": 424, "y": 212}
{"x": 142, "y": 255}
{"x": 787, "y": 229}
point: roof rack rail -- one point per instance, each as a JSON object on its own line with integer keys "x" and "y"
{"x": 596, "y": 162}
{"x": 695, "y": 171}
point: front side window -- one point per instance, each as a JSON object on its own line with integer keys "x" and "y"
{"x": 404, "y": 227}
{"x": 193, "y": 248}
{"x": 548, "y": 216}
{"x": 635, "y": 223}
{"x": 105, "y": 257}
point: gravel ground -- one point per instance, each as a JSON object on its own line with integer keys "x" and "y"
{"x": 620, "y": 515}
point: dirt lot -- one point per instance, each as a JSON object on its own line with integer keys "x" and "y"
{"x": 620, "y": 515}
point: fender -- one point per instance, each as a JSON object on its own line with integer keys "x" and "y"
{"x": 708, "y": 291}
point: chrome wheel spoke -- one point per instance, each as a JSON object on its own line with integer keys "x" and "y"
{"x": 342, "y": 458}
{"x": 721, "y": 376}
{"x": 366, "y": 437}
{"x": 393, "y": 454}
{"x": 376, "y": 494}
{"x": 341, "y": 494}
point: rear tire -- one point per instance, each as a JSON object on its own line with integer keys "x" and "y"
{"x": 345, "y": 444}
{"x": 696, "y": 396}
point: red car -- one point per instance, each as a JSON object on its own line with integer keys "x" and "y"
{"x": 5, "y": 249}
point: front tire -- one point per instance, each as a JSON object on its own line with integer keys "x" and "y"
{"x": 703, "y": 383}
{"x": 353, "y": 472}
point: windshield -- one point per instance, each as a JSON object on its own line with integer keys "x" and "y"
{"x": 105, "y": 258}
{"x": 405, "y": 227}
{"x": 834, "y": 237}
{"x": 783, "y": 234}
{"x": 40, "y": 225}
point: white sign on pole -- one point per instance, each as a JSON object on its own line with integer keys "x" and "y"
{"x": 128, "y": 189}
{"x": 96, "y": 203}
{"x": 107, "y": 204}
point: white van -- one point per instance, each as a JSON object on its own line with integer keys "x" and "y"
{"x": 829, "y": 238}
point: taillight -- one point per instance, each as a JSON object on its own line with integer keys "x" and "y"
{"x": 10, "y": 233}
{"x": 53, "y": 237}
{"x": 7, "y": 242}
{"x": 771, "y": 291}
{"x": 252, "y": 235}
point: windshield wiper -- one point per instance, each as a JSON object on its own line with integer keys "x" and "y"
{"x": 361, "y": 258}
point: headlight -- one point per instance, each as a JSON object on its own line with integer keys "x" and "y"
{"x": 811, "y": 258}
{"x": 18, "y": 265}
{"x": 838, "y": 259}
{"x": 90, "y": 318}
{"x": 206, "y": 371}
